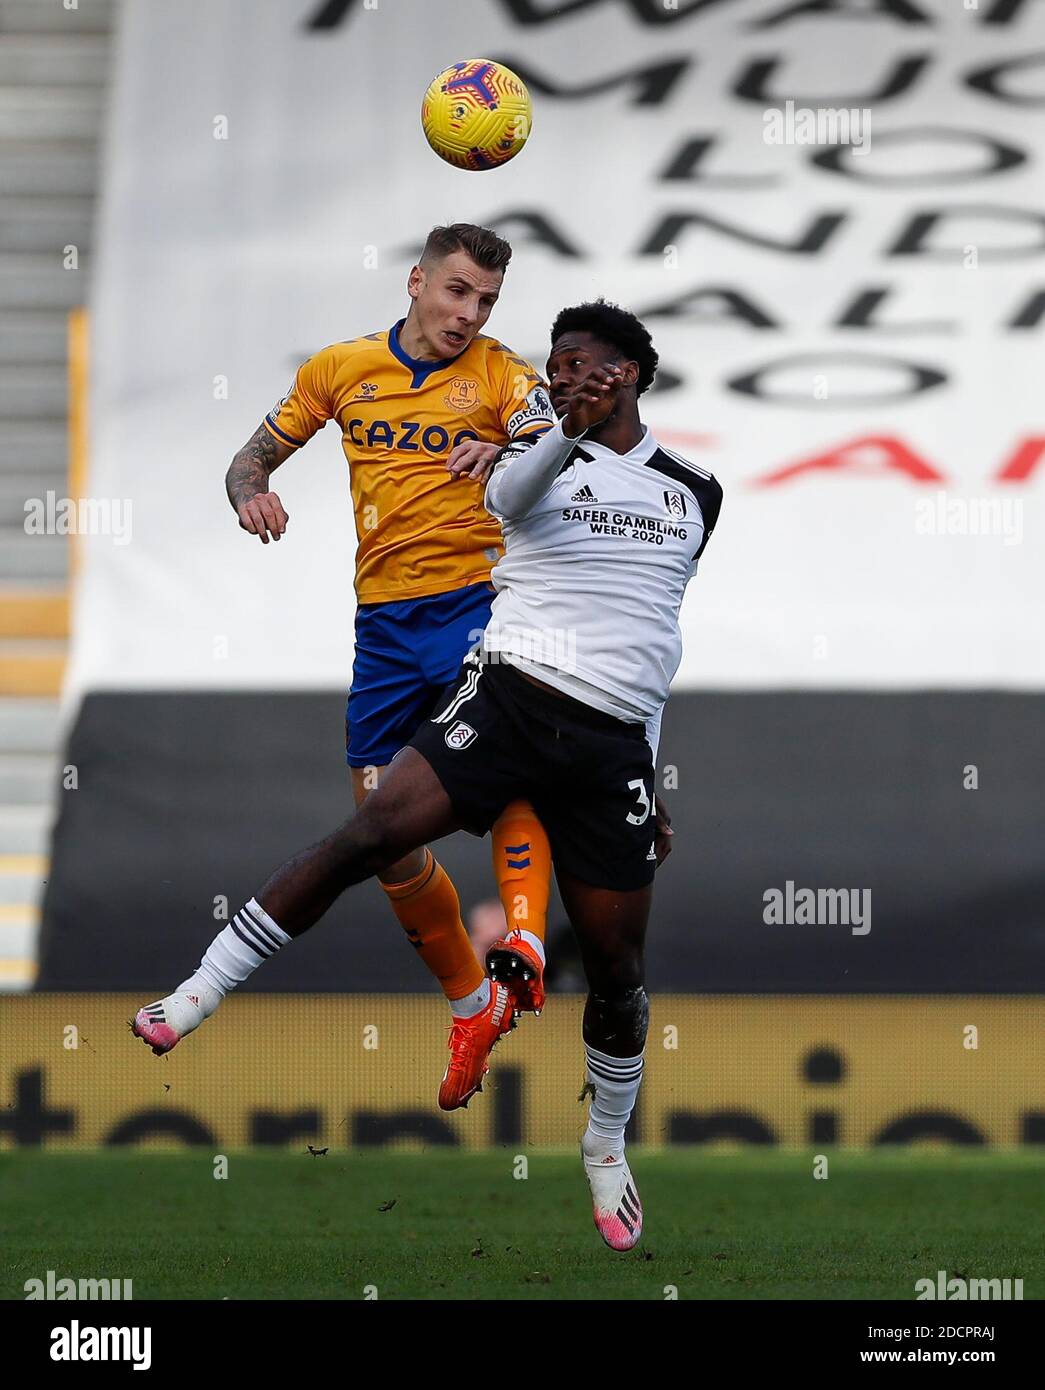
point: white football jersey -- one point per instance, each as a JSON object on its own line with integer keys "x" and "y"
{"x": 592, "y": 578}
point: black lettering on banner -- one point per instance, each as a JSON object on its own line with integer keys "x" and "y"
{"x": 987, "y": 79}
{"x": 1000, "y": 12}
{"x": 270, "y": 1127}
{"x": 1005, "y": 11}
{"x": 912, "y": 239}
{"x": 752, "y": 383}
{"x": 370, "y": 1128}
{"x": 28, "y": 1120}
{"x": 861, "y": 310}
{"x": 507, "y": 1100}
{"x": 820, "y": 229}
{"x": 1032, "y": 1130}
{"x": 725, "y": 305}
{"x": 752, "y": 83}
{"x": 665, "y": 380}
{"x": 30, "y": 1123}
{"x": 683, "y": 167}
{"x": 652, "y": 12}
{"x": 823, "y": 1066}
{"x": 540, "y": 229}
{"x": 838, "y": 159}
{"x": 329, "y": 14}
{"x": 1030, "y": 314}
{"x": 929, "y": 1124}
{"x": 823, "y": 1127}
{"x": 541, "y": 232}
{"x": 651, "y": 85}
{"x": 903, "y": 10}
{"x": 686, "y": 1127}
{"x": 668, "y": 230}
{"x": 155, "y": 1124}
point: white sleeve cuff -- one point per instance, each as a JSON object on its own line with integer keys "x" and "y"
{"x": 526, "y": 471}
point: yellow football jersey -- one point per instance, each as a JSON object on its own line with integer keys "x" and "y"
{"x": 420, "y": 531}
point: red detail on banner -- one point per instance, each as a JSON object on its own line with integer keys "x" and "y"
{"x": 687, "y": 438}
{"x": 872, "y": 456}
{"x": 1024, "y": 460}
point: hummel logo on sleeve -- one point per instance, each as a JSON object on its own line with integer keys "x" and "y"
{"x": 584, "y": 494}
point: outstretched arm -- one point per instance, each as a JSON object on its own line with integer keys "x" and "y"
{"x": 247, "y": 483}
{"x": 521, "y": 477}
{"x": 524, "y": 472}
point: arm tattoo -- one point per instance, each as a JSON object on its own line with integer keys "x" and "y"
{"x": 249, "y": 472}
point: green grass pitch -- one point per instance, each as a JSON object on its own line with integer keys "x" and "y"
{"x": 444, "y": 1225}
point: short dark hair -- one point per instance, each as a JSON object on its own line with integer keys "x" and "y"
{"x": 617, "y": 328}
{"x": 485, "y": 247}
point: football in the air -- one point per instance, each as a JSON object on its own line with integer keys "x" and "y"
{"x": 476, "y": 114}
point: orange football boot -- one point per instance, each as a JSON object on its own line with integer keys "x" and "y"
{"x": 515, "y": 963}
{"x": 470, "y": 1042}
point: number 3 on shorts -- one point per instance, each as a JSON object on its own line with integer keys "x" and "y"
{"x": 644, "y": 802}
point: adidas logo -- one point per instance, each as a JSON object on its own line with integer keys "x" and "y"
{"x": 584, "y": 494}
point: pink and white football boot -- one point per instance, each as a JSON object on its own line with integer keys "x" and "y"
{"x": 615, "y": 1200}
{"x": 163, "y": 1024}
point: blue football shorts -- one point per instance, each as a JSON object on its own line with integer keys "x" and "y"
{"x": 407, "y": 652}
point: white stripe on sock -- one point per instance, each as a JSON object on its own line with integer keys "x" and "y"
{"x": 616, "y": 1081}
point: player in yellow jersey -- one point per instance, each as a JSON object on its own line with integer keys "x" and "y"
{"x": 405, "y": 399}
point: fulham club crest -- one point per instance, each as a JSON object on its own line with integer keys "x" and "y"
{"x": 676, "y": 504}
{"x": 460, "y": 736}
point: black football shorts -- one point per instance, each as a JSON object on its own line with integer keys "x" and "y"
{"x": 495, "y": 736}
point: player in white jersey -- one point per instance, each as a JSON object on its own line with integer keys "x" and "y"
{"x": 602, "y": 530}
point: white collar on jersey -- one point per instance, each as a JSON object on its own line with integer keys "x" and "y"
{"x": 643, "y": 450}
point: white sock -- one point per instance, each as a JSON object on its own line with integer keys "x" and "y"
{"x": 616, "y": 1081}
{"x": 471, "y": 1004}
{"x": 233, "y": 956}
{"x": 531, "y": 940}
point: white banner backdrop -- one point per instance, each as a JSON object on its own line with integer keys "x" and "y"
{"x": 850, "y": 338}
